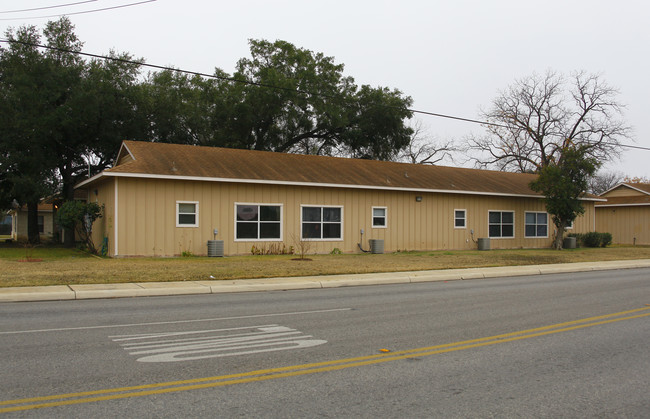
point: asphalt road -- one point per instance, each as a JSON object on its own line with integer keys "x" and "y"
{"x": 541, "y": 346}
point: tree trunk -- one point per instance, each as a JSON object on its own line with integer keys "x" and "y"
{"x": 559, "y": 236}
{"x": 33, "y": 236}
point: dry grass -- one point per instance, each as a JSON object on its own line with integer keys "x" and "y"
{"x": 64, "y": 266}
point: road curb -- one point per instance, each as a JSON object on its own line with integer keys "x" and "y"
{"x": 152, "y": 289}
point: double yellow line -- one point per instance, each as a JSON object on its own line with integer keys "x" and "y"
{"x": 296, "y": 370}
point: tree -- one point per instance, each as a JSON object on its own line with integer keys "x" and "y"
{"x": 283, "y": 99}
{"x": 539, "y": 117}
{"x": 636, "y": 179}
{"x": 604, "y": 181}
{"x": 79, "y": 217}
{"x": 562, "y": 183}
{"x": 422, "y": 149}
{"x": 26, "y": 167}
{"x": 62, "y": 114}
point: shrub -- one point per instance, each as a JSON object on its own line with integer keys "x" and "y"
{"x": 591, "y": 239}
{"x": 605, "y": 239}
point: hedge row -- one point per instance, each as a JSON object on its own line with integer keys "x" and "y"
{"x": 593, "y": 239}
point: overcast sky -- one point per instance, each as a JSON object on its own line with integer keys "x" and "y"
{"x": 452, "y": 57}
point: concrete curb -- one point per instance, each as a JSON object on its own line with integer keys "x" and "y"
{"x": 150, "y": 289}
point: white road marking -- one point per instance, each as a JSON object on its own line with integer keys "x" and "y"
{"x": 214, "y": 343}
{"x": 254, "y": 316}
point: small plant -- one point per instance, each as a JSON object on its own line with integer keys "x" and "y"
{"x": 336, "y": 251}
{"x": 302, "y": 246}
{"x": 272, "y": 249}
{"x": 185, "y": 251}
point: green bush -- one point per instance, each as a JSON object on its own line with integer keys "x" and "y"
{"x": 591, "y": 239}
{"x": 605, "y": 239}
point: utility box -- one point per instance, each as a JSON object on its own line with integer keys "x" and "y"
{"x": 215, "y": 248}
{"x": 484, "y": 243}
{"x": 376, "y": 246}
{"x": 569, "y": 243}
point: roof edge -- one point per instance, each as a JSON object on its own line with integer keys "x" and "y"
{"x": 629, "y": 185}
{"x": 289, "y": 183}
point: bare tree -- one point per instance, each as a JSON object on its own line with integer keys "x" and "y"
{"x": 604, "y": 181}
{"x": 538, "y": 117}
{"x": 423, "y": 149}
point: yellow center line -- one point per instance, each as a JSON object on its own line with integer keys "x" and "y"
{"x": 296, "y": 370}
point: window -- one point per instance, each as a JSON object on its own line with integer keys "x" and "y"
{"x": 41, "y": 224}
{"x": 322, "y": 223}
{"x": 379, "y": 217}
{"x": 460, "y": 218}
{"x": 6, "y": 225}
{"x": 258, "y": 222}
{"x": 570, "y": 226}
{"x": 536, "y": 224}
{"x": 501, "y": 224}
{"x": 187, "y": 214}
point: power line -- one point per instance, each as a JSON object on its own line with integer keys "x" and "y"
{"x": 84, "y": 12}
{"x": 47, "y": 7}
{"x": 252, "y": 83}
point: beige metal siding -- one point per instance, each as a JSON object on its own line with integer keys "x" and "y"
{"x": 628, "y": 225}
{"x": 146, "y": 214}
{"x": 21, "y": 224}
{"x": 103, "y": 194}
{"x": 622, "y": 191}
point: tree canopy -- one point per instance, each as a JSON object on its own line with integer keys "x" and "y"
{"x": 563, "y": 183}
{"x": 60, "y": 114}
{"x": 283, "y": 99}
{"x": 540, "y": 116}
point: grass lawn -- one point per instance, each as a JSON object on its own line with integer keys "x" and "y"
{"x": 56, "y": 266}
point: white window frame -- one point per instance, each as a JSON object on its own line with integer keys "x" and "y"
{"x": 514, "y": 224}
{"x": 570, "y": 226}
{"x": 385, "y": 217}
{"x": 258, "y": 222}
{"x": 464, "y": 226}
{"x": 196, "y": 214}
{"x": 329, "y": 239}
{"x": 526, "y": 224}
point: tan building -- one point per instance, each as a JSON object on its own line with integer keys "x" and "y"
{"x": 626, "y": 214}
{"x": 13, "y": 224}
{"x": 166, "y": 199}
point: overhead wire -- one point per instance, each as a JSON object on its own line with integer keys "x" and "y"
{"x": 47, "y": 7}
{"x": 121, "y": 6}
{"x": 253, "y": 83}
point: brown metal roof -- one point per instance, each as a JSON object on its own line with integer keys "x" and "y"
{"x": 174, "y": 160}
{"x": 625, "y": 201}
{"x": 645, "y": 187}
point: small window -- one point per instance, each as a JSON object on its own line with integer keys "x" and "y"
{"x": 322, "y": 223}
{"x": 6, "y": 225}
{"x": 501, "y": 224}
{"x": 187, "y": 214}
{"x": 379, "y": 217}
{"x": 460, "y": 218}
{"x": 536, "y": 224}
{"x": 258, "y": 222}
{"x": 41, "y": 224}
{"x": 570, "y": 226}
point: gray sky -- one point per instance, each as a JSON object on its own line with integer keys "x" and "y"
{"x": 451, "y": 57}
